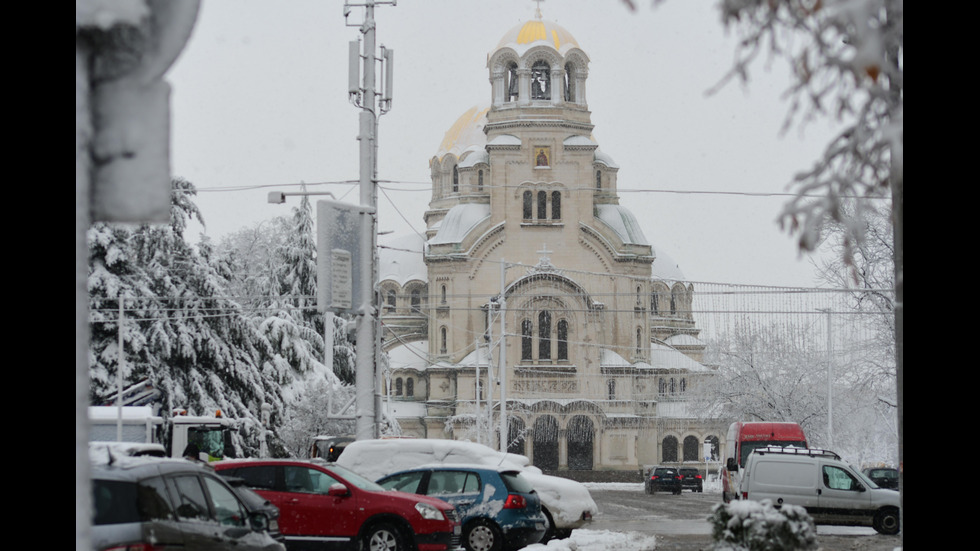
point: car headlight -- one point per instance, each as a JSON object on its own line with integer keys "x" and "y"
{"x": 429, "y": 512}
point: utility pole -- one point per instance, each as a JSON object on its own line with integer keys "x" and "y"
{"x": 364, "y": 95}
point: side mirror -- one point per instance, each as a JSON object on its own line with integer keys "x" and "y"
{"x": 731, "y": 465}
{"x": 338, "y": 490}
{"x": 259, "y": 522}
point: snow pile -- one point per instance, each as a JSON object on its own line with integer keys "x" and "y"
{"x": 746, "y": 525}
{"x": 599, "y": 540}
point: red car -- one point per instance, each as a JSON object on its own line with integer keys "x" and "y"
{"x": 326, "y": 506}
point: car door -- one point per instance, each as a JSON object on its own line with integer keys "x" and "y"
{"x": 306, "y": 509}
{"x": 842, "y": 497}
{"x": 459, "y": 488}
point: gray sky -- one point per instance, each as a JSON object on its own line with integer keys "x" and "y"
{"x": 260, "y": 99}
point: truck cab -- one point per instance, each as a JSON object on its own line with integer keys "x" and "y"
{"x": 743, "y": 437}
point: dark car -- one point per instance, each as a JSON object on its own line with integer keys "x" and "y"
{"x": 326, "y": 506}
{"x": 691, "y": 479}
{"x": 150, "y": 503}
{"x": 884, "y": 477}
{"x": 663, "y": 479}
{"x": 498, "y": 508}
{"x": 256, "y": 504}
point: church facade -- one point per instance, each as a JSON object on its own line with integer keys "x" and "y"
{"x": 531, "y": 264}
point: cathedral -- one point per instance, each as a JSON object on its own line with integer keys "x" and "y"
{"x": 534, "y": 287}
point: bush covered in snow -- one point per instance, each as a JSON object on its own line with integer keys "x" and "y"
{"x": 758, "y": 526}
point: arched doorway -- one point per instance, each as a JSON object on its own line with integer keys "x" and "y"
{"x": 546, "y": 443}
{"x": 691, "y": 448}
{"x": 581, "y": 433}
{"x": 670, "y": 449}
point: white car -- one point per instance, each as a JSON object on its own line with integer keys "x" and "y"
{"x": 566, "y": 503}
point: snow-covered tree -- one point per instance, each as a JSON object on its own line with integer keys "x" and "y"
{"x": 196, "y": 347}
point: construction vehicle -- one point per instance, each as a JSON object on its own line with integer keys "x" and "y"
{"x": 139, "y": 424}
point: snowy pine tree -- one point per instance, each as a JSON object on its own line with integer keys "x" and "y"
{"x": 181, "y": 333}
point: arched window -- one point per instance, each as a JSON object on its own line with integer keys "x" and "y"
{"x": 639, "y": 341}
{"x": 528, "y": 208}
{"x": 540, "y": 80}
{"x": 662, "y": 386}
{"x": 442, "y": 340}
{"x": 556, "y": 205}
{"x": 512, "y": 82}
{"x": 544, "y": 335}
{"x": 673, "y": 302}
{"x": 443, "y": 294}
{"x": 611, "y": 385}
{"x": 598, "y": 180}
{"x": 416, "y": 301}
{"x": 479, "y": 180}
{"x": 409, "y": 387}
{"x": 390, "y": 299}
{"x": 542, "y": 205}
{"x": 691, "y": 448}
{"x": 673, "y": 385}
{"x": 569, "y": 82}
{"x": 455, "y": 179}
{"x": 670, "y": 449}
{"x": 562, "y": 339}
{"x": 654, "y": 306}
{"x": 526, "y": 335}
{"x": 639, "y": 296}
{"x": 398, "y": 386}
{"x": 683, "y": 385}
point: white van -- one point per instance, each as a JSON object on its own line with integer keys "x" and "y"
{"x": 831, "y": 491}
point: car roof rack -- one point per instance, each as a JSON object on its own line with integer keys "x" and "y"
{"x": 811, "y": 452}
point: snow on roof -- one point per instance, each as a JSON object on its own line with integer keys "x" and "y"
{"x": 459, "y": 221}
{"x": 683, "y": 339}
{"x": 579, "y": 140}
{"x": 623, "y": 222}
{"x": 474, "y": 155}
{"x": 411, "y": 355}
{"x": 602, "y": 157}
{"x": 664, "y": 267}
{"x": 668, "y": 357}
{"x": 467, "y": 131}
{"x": 401, "y": 260}
{"x": 537, "y": 32}
{"x": 505, "y": 139}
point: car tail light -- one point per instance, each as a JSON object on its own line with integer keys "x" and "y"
{"x": 654, "y": 477}
{"x": 515, "y": 501}
{"x": 745, "y": 495}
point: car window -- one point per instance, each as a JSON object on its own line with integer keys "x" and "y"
{"x": 516, "y": 483}
{"x": 227, "y": 508}
{"x": 307, "y": 480}
{"x": 404, "y": 482}
{"x": 262, "y": 477}
{"x": 117, "y": 502}
{"x": 192, "y": 503}
{"x": 836, "y": 478}
{"x": 452, "y": 482}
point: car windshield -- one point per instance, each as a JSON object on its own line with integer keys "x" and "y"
{"x": 864, "y": 478}
{"x": 355, "y": 479}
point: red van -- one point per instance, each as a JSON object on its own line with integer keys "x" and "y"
{"x": 745, "y": 437}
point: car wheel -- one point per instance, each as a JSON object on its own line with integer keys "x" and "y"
{"x": 482, "y": 535}
{"x": 886, "y": 521}
{"x": 550, "y": 532}
{"x": 384, "y": 537}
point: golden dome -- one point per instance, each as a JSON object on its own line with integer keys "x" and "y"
{"x": 465, "y": 133}
{"x": 538, "y": 30}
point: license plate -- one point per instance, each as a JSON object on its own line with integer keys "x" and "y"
{"x": 457, "y": 530}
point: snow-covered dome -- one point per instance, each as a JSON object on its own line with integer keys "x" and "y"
{"x": 665, "y": 267}
{"x": 401, "y": 260}
{"x": 459, "y": 221}
{"x": 623, "y": 222}
{"x": 466, "y": 133}
{"x": 537, "y": 32}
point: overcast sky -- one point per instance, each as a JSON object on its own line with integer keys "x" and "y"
{"x": 260, "y": 101}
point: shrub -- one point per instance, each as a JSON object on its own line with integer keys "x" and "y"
{"x": 758, "y": 526}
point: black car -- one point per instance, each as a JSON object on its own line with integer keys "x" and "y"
{"x": 884, "y": 477}
{"x": 692, "y": 479}
{"x": 171, "y": 503}
{"x": 256, "y": 504}
{"x": 663, "y": 479}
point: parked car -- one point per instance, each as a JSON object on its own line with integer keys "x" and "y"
{"x": 884, "y": 477}
{"x": 325, "y": 505}
{"x": 256, "y": 503}
{"x": 498, "y": 508}
{"x": 691, "y": 479}
{"x": 663, "y": 479}
{"x": 832, "y": 491}
{"x": 152, "y": 503}
{"x": 566, "y": 503}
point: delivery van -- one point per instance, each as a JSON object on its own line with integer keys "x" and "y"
{"x": 830, "y": 490}
{"x": 743, "y": 438}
